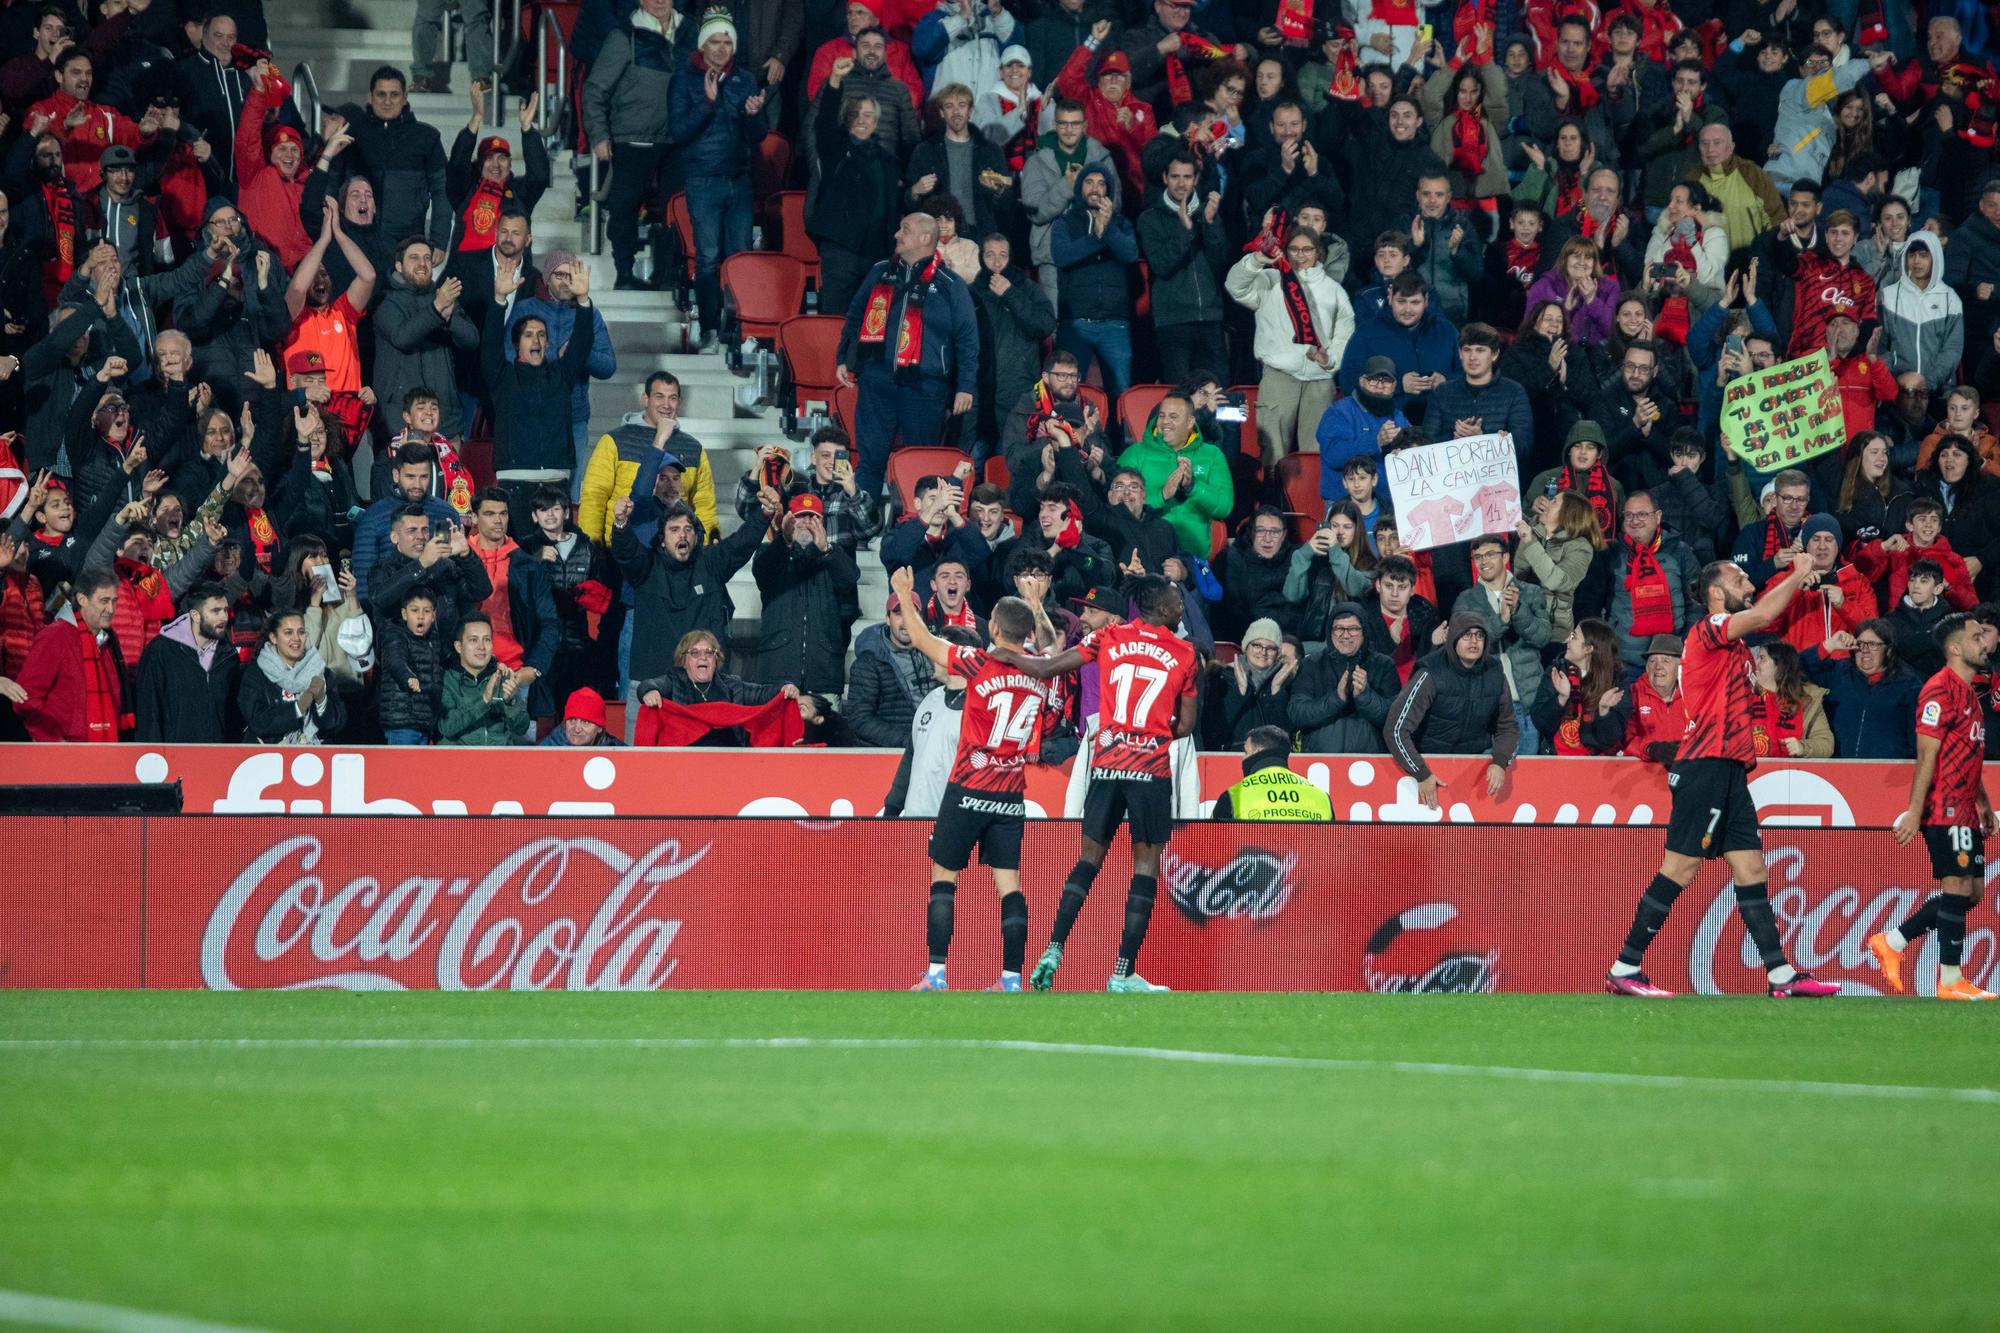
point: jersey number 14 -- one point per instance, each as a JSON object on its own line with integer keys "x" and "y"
{"x": 1014, "y": 717}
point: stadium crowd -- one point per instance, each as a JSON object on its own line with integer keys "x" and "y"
{"x": 242, "y": 359}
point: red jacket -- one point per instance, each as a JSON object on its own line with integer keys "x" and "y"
{"x": 84, "y": 144}
{"x": 21, "y": 619}
{"x": 1657, "y": 25}
{"x": 1864, "y": 382}
{"x": 73, "y": 688}
{"x": 144, "y": 604}
{"x": 1873, "y": 561}
{"x": 1125, "y": 141}
{"x": 1654, "y": 720}
{"x": 1810, "y": 619}
{"x": 268, "y": 198}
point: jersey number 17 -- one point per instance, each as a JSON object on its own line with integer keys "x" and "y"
{"x": 1150, "y": 680}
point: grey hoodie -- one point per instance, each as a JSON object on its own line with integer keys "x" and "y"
{"x": 1923, "y": 324}
{"x": 1047, "y": 196}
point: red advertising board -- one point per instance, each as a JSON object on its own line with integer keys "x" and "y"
{"x": 383, "y": 780}
{"x": 642, "y": 904}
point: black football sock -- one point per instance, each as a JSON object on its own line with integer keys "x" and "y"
{"x": 938, "y": 921}
{"x": 1753, "y": 904}
{"x": 1922, "y": 921}
{"x": 1138, "y": 915}
{"x": 1075, "y": 890}
{"x": 1654, "y": 905}
{"x": 1951, "y": 928}
{"x": 1013, "y": 930}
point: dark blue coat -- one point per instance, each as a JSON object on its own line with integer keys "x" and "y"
{"x": 714, "y": 138}
{"x": 1429, "y": 348}
{"x": 1876, "y": 721}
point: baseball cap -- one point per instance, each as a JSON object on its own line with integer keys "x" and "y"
{"x": 1102, "y": 598}
{"x": 807, "y": 503}
{"x": 307, "y": 362}
{"x": 493, "y": 144}
{"x": 1017, "y": 54}
{"x": 117, "y": 155}
{"x": 1115, "y": 63}
{"x": 1378, "y": 365}
{"x": 1664, "y": 645}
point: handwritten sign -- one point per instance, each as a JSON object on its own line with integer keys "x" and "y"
{"x": 1778, "y": 418}
{"x": 1454, "y": 490}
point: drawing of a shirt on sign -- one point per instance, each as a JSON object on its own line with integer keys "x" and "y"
{"x": 1437, "y": 519}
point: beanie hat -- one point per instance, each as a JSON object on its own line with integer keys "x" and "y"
{"x": 585, "y": 705}
{"x": 1817, "y": 524}
{"x": 716, "y": 20}
{"x": 1265, "y": 629}
{"x": 1586, "y": 430}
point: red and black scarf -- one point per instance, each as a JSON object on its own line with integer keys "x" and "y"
{"x": 1468, "y": 142}
{"x": 1776, "y": 538}
{"x": 910, "y": 284}
{"x": 1594, "y": 486}
{"x": 1569, "y": 734}
{"x": 1044, "y": 408}
{"x": 1569, "y": 193}
{"x": 1774, "y": 721}
{"x": 482, "y": 215}
{"x": 1022, "y": 146}
{"x": 263, "y": 537}
{"x": 1523, "y": 262}
{"x": 1647, "y": 588}
{"x": 1296, "y": 305}
{"x": 1197, "y": 47}
{"x": 61, "y": 206}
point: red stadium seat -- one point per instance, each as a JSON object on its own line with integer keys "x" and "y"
{"x": 1298, "y": 482}
{"x": 908, "y": 466}
{"x": 1251, "y": 447}
{"x": 769, "y": 165}
{"x": 1218, "y": 537}
{"x": 679, "y": 219}
{"x": 1226, "y": 651}
{"x": 997, "y": 473}
{"x": 843, "y": 407}
{"x": 763, "y": 289}
{"x": 810, "y": 348}
{"x": 792, "y": 232}
{"x": 1135, "y": 408}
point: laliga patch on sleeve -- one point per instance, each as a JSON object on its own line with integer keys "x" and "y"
{"x": 1933, "y": 713}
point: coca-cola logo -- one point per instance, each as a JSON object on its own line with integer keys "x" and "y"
{"x": 1406, "y": 955}
{"x": 555, "y": 913}
{"x": 1826, "y": 932}
{"x": 1254, "y": 885}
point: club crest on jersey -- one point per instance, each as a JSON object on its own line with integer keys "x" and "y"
{"x": 1933, "y": 713}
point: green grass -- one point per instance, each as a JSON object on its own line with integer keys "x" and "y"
{"x": 568, "y": 1187}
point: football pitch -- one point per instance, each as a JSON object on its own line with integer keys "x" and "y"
{"x": 854, "y": 1161}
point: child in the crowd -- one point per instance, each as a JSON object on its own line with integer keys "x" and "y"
{"x": 411, "y": 672}
{"x": 1922, "y": 539}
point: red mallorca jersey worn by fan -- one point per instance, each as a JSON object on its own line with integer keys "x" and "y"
{"x": 1005, "y": 711}
{"x": 1143, "y": 672}
{"x": 1948, "y": 712}
{"x": 1718, "y": 682}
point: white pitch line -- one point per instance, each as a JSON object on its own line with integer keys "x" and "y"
{"x": 1235, "y": 1059}
{"x": 26, "y": 1307}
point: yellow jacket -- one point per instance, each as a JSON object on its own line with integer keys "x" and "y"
{"x": 616, "y": 468}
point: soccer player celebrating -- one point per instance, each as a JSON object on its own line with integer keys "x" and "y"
{"x": 1713, "y": 814}
{"x": 985, "y": 804}
{"x": 1948, "y": 802}
{"x": 1146, "y": 702}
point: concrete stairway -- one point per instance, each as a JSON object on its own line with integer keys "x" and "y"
{"x": 344, "y": 41}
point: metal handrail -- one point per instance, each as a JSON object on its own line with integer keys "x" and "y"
{"x": 496, "y": 104}
{"x": 555, "y": 96}
{"x": 305, "y": 96}
{"x": 600, "y": 190}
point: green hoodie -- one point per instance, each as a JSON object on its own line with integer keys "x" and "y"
{"x": 1208, "y": 497}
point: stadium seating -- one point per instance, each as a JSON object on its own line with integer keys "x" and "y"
{"x": 908, "y": 466}
{"x": 809, "y": 346}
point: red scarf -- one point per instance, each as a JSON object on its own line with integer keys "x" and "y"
{"x": 482, "y": 215}
{"x": 58, "y": 267}
{"x": 1071, "y": 535}
{"x": 1646, "y": 586}
{"x": 1197, "y": 47}
{"x": 1772, "y": 722}
{"x": 910, "y": 334}
{"x": 1569, "y": 734}
{"x": 1294, "y": 21}
{"x": 1569, "y": 193}
{"x": 937, "y": 617}
{"x": 1346, "y": 70}
{"x": 1022, "y": 146}
{"x": 100, "y": 688}
{"x": 1472, "y": 32}
{"x": 1468, "y": 142}
{"x": 1582, "y": 92}
{"x": 1296, "y": 306}
{"x": 1596, "y": 488}
{"x": 263, "y": 537}
{"x": 1523, "y": 261}
{"x": 776, "y": 723}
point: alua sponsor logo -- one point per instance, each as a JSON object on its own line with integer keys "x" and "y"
{"x": 554, "y": 913}
{"x": 1406, "y": 956}
{"x": 1253, "y": 885}
{"x": 1826, "y": 932}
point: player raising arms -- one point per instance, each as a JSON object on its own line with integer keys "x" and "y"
{"x": 1948, "y": 802}
{"x": 1146, "y": 702}
{"x": 1713, "y": 814}
{"x": 985, "y": 804}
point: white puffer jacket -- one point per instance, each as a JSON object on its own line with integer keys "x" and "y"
{"x": 1254, "y": 283}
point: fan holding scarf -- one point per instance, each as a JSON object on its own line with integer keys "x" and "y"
{"x": 911, "y": 342}
{"x": 1650, "y": 574}
{"x": 1304, "y": 321}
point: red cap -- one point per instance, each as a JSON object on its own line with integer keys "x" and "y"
{"x": 1115, "y": 63}
{"x": 895, "y": 605}
{"x": 307, "y": 362}
{"x": 495, "y": 144}
{"x": 586, "y": 705}
{"x": 807, "y": 503}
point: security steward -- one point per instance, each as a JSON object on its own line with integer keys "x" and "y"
{"x": 1269, "y": 790}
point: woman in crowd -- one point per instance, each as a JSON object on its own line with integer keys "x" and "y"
{"x": 288, "y": 695}
{"x": 1556, "y": 550}
{"x": 1556, "y": 372}
{"x": 1632, "y": 322}
{"x": 1303, "y": 324}
{"x": 1554, "y": 182}
{"x": 856, "y": 210}
{"x": 336, "y": 626}
{"x": 1867, "y": 499}
{"x": 1971, "y": 503}
{"x": 1335, "y": 566}
{"x": 1871, "y": 697}
{"x": 1689, "y": 239}
{"x": 1466, "y": 108}
{"x": 1252, "y": 691}
{"x": 1585, "y": 708}
{"x": 1787, "y": 712}
{"x": 1577, "y": 282}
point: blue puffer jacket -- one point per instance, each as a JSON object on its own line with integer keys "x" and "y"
{"x": 714, "y": 138}
{"x": 1430, "y": 348}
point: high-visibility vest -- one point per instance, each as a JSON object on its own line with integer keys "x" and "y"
{"x": 1279, "y": 793}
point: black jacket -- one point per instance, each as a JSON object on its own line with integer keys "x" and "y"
{"x": 457, "y": 584}
{"x": 269, "y": 716}
{"x": 1451, "y": 708}
{"x": 52, "y": 383}
{"x": 531, "y": 404}
{"x": 1384, "y": 173}
{"x": 1422, "y": 619}
{"x": 404, "y": 160}
{"x": 1252, "y": 586}
{"x": 568, "y": 573}
{"x": 1229, "y": 714}
{"x": 1329, "y": 724}
{"x": 1011, "y": 330}
{"x": 857, "y": 205}
{"x": 178, "y": 703}
{"x": 671, "y": 597}
{"x": 404, "y": 657}
{"x": 802, "y": 634}
{"x": 883, "y": 693}
{"x": 474, "y": 270}
{"x": 1185, "y": 264}
{"x": 989, "y": 209}
{"x": 1148, "y": 534}
{"x": 1078, "y": 568}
